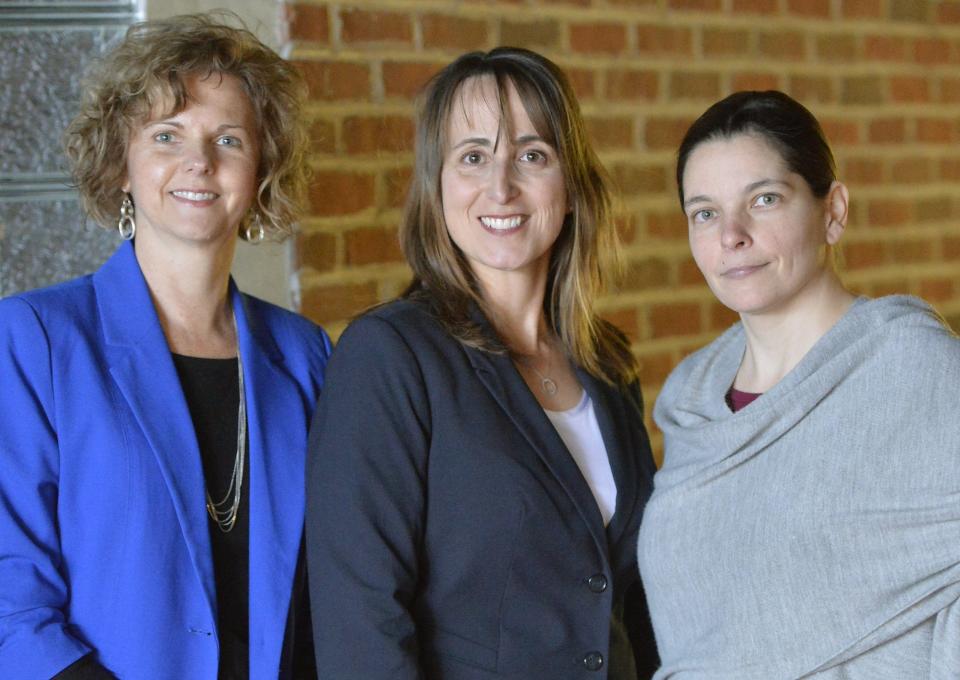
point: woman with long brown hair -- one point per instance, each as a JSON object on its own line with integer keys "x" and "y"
{"x": 479, "y": 464}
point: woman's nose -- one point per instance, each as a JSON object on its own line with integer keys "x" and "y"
{"x": 734, "y": 232}
{"x": 198, "y": 158}
{"x": 501, "y": 186}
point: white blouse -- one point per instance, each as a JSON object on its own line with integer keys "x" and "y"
{"x": 579, "y": 430}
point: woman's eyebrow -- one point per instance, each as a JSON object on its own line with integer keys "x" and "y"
{"x": 764, "y": 183}
{"x": 481, "y": 141}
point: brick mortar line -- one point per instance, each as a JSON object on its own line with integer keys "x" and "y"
{"x": 353, "y": 274}
{"x": 663, "y": 15}
{"x": 350, "y": 163}
{"x": 865, "y": 234}
{"x": 891, "y": 190}
{"x": 663, "y": 66}
{"x": 908, "y": 270}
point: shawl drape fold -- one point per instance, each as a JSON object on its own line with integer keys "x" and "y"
{"x": 816, "y": 532}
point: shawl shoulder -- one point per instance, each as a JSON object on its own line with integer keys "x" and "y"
{"x": 694, "y": 373}
{"x": 913, "y": 346}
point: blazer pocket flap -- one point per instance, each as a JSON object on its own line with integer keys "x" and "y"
{"x": 467, "y": 651}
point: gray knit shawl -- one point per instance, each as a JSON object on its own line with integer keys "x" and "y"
{"x": 816, "y": 532}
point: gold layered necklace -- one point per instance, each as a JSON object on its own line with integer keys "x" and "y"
{"x": 224, "y": 512}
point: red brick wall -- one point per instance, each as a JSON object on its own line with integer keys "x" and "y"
{"x": 882, "y": 75}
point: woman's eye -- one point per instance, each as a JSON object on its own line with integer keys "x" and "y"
{"x": 764, "y": 200}
{"x": 227, "y": 140}
{"x": 533, "y": 156}
{"x": 702, "y": 215}
{"x": 163, "y": 137}
{"x": 472, "y": 158}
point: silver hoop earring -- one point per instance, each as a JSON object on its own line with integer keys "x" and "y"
{"x": 127, "y": 226}
{"x": 254, "y": 232}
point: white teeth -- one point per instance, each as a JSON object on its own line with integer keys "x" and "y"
{"x": 195, "y": 195}
{"x": 501, "y": 223}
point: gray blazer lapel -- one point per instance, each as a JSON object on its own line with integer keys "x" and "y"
{"x": 625, "y": 442}
{"x": 500, "y": 377}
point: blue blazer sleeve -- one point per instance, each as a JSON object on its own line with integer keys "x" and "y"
{"x": 104, "y": 537}
{"x": 32, "y": 623}
{"x": 366, "y": 494}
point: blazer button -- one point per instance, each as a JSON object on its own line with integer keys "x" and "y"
{"x": 593, "y": 661}
{"x": 597, "y": 583}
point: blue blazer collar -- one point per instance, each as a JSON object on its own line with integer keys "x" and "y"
{"x": 277, "y": 428}
{"x": 143, "y": 369}
{"x": 128, "y": 316}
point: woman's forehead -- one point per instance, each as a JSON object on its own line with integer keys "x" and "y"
{"x": 744, "y": 149}
{"x": 163, "y": 98}
{"x": 476, "y": 101}
{"x": 479, "y": 106}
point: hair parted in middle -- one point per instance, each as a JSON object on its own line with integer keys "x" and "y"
{"x": 584, "y": 255}
{"x": 149, "y": 68}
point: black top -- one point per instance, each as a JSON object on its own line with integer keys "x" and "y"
{"x": 211, "y": 388}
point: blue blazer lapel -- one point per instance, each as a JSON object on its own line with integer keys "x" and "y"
{"x": 500, "y": 377}
{"x": 140, "y": 363}
{"x": 277, "y": 427}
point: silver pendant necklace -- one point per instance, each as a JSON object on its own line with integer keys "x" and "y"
{"x": 547, "y": 384}
{"x": 224, "y": 512}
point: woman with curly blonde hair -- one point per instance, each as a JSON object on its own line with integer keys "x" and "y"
{"x": 152, "y": 439}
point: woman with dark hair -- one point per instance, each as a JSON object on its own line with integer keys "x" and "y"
{"x": 155, "y": 418}
{"x": 806, "y": 521}
{"x": 478, "y": 464}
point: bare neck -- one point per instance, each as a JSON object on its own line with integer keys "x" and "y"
{"x": 189, "y": 285}
{"x": 515, "y": 304}
{"x": 778, "y": 340}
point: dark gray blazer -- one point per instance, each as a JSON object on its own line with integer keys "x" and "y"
{"x": 450, "y": 534}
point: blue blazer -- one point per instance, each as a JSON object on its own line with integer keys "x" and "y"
{"x": 104, "y": 535}
{"x": 447, "y": 524}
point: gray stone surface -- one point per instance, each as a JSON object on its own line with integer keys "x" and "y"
{"x": 39, "y": 92}
{"x": 45, "y": 242}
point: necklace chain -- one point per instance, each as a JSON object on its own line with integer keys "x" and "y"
{"x": 224, "y": 512}
{"x": 547, "y": 384}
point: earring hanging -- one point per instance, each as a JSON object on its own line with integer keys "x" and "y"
{"x": 254, "y": 232}
{"x": 127, "y": 226}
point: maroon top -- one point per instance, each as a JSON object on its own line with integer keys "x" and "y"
{"x": 736, "y": 399}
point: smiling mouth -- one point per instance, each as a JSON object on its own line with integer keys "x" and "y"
{"x": 742, "y": 272}
{"x": 502, "y": 223}
{"x": 194, "y": 195}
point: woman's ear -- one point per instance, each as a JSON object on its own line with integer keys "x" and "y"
{"x": 837, "y": 203}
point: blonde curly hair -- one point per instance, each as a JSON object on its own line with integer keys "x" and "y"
{"x": 151, "y": 66}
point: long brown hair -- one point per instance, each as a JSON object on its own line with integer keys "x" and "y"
{"x": 584, "y": 254}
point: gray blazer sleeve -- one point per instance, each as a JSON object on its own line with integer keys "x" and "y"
{"x": 365, "y": 489}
